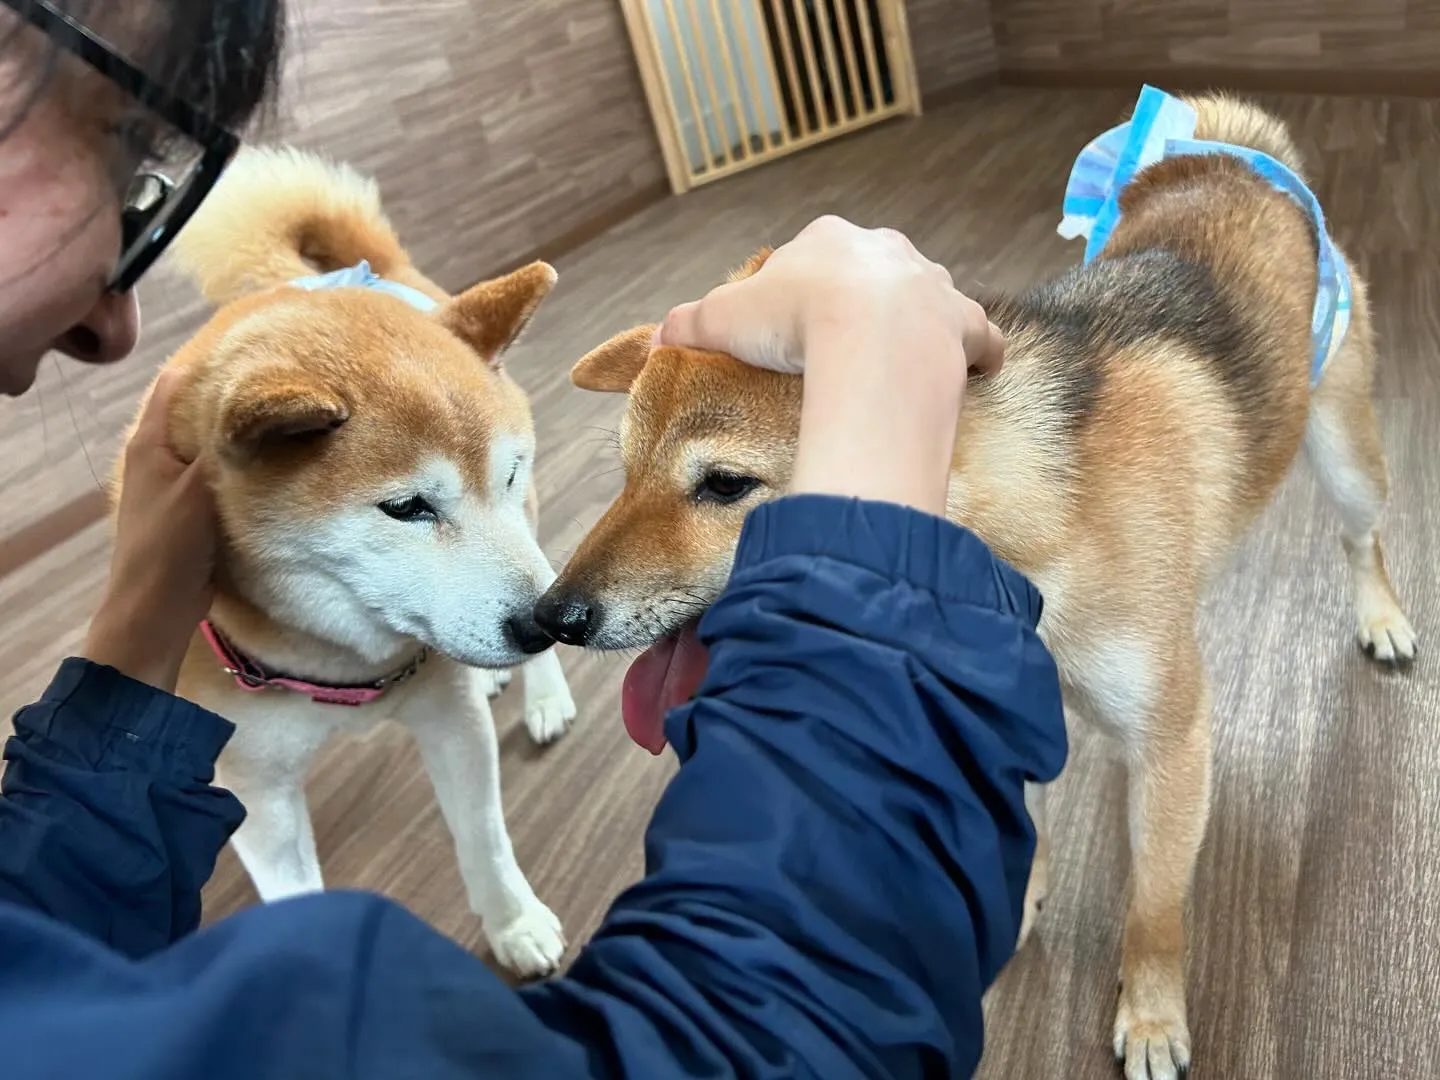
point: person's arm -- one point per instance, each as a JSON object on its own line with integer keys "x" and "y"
{"x": 834, "y": 875}
{"x": 108, "y": 822}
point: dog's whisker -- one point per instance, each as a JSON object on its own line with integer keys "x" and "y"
{"x": 79, "y": 436}
{"x": 44, "y": 419}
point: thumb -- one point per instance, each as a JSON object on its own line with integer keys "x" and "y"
{"x": 731, "y": 319}
{"x": 988, "y": 354}
{"x": 681, "y": 327}
{"x": 153, "y": 428}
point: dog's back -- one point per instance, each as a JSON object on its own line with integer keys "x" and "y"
{"x": 1163, "y": 388}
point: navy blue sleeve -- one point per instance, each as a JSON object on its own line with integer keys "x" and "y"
{"x": 834, "y": 875}
{"x": 108, "y": 821}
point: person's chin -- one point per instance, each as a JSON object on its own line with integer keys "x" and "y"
{"x": 17, "y": 375}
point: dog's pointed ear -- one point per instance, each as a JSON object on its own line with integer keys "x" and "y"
{"x": 752, "y": 264}
{"x": 612, "y": 367}
{"x": 490, "y": 316}
{"x": 274, "y": 407}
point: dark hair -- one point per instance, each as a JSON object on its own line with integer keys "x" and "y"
{"x": 221, "y": 56}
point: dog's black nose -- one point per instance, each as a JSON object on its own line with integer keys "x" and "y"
{"x": 526, "y": 633}
{"x": 566, "y": 617}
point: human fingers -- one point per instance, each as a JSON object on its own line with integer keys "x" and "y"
{"x": 737, "y": 318}
{"x": 152, "y": 431}
{"x": 988, "y": 354}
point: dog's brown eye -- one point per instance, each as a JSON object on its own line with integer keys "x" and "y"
{"x": 723, "y": 488}
{"x": 410, "y": 508}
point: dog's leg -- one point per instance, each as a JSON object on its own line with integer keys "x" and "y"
{"x": 1342, "y": 441}
{"x": 492, "y": 682}
{"x": 549, "y": 708}
{"x": 453, "y": 726}
{"x": 1039, "y": 884}
{"x": 1169, "y": 797}
{"x": 265, "y": 765}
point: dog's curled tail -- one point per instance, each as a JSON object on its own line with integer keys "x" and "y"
{"x": 1222, "y": 118}
{"x": 279, "y": 213}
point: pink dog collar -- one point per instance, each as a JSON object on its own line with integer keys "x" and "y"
{"x": 252, "y": 677}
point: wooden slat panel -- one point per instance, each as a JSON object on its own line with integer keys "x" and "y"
{"x": 788, "y": 46}
{"x": 825, "y": 32}
{"x": 1305, "y": 35}
{"x": 717, "y": 110}
{"x": 692, "y": 94}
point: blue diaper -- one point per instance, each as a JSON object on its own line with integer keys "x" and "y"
{"x": 1163, "y": 126}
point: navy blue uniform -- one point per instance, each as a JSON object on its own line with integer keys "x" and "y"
{"x": 833, "y": 877}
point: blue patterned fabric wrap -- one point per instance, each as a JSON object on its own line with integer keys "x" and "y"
{"x": 360, "y": 276}
{"x": 1164, "y": 126}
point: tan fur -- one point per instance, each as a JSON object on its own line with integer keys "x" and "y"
{"x": 279, "y": 213}
{"x": 1118, "y": 481}
{"x": 309, "y": 411}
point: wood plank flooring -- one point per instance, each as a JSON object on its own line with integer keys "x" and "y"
{"x": 1316, "y": 946}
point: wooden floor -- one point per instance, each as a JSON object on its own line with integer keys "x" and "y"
{"x": 1316, "y": 949}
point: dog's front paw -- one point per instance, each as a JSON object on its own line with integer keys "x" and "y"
{"x": 531, "y": 944}
{"x": 492, "y": 682}
{"x": 1152, "y": 1039}
{"x": 548, "y": 714}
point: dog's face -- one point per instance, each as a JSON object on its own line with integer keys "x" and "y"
{"x": 372, "y": 465}
{"x": 704, "y": 440}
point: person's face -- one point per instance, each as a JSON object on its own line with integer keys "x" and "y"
{"x": 61, "y": 182}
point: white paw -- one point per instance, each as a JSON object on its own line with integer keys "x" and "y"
{"x": 1152, "y": 1043}
{"x": 548, "y": 714}
{"x": 492, "y": 682}
{"x": 530, "y": 945}
{"x": 1384, "y": 632}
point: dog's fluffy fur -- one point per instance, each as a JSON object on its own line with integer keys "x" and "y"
{"x": 309, "y": 410}
{"x": 1150, "y": 405}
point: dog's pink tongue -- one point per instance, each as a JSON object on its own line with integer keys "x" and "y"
{"x": 664, "y": 677}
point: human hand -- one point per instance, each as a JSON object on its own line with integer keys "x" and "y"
{"x": 163, "y": 564}
{"x": 832, "y": 273}
{"x": 885, "y": 342}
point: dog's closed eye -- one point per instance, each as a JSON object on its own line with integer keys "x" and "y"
{"x": 724, "y": 488}
{"x": 409, "y": 508}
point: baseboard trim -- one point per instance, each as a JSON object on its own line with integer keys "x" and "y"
{"x": 594, "y": 227}
{"x": 1409, "y": 84}
{"x": 23, "y": 547}
{"x": 960, "y": 91}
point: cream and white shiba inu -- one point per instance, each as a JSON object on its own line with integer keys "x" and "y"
{"x": 1150, "y": 404}
{"x": 371, "y": 463}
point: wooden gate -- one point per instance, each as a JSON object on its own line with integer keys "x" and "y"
{"x": 735, "y": 83}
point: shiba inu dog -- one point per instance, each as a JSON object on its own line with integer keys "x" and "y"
{"x": 371, "y": 464}
{"x": 1151, "y": 403}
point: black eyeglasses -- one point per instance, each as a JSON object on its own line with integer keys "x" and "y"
{"x": 155, "y": 208}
